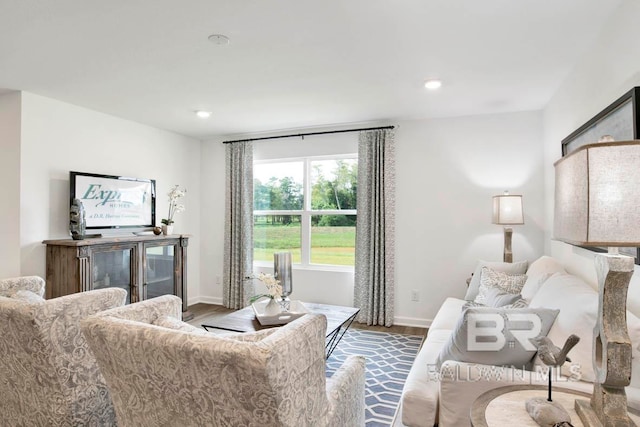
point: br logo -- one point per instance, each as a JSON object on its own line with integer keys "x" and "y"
{"x": 486, "y": 331}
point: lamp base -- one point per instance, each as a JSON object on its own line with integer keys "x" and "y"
{"x": 589, "y": 417}
{"x": 611, "y": 347}
{"x": 508, "y": 254}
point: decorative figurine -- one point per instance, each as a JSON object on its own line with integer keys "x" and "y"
{"x": 77, "y": 221}
{"x": 547, "y": 412}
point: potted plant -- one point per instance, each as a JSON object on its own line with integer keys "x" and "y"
{"x": 175, "y": 194}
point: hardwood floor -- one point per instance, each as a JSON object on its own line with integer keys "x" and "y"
{"x": 201, "y": 311}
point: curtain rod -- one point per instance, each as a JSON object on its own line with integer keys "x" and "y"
{"x": 308, "y": 134}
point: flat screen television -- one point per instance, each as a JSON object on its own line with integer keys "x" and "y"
{"x": 113, "y": 202}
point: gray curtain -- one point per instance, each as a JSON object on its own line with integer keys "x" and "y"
{"x": 238, "y": 225}
{"x": 375, "y": 240}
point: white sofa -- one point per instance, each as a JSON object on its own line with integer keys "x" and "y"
{"x": 444, "y": 397}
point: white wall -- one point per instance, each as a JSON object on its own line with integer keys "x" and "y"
{"x": 212, "y": 194}
{"x": 447, "y": 172}
{"x": 10, "y": 178}
{"x": 606, "y": 72}
{"x": 59, "y": 137}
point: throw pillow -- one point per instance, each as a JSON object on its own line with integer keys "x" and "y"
{"x": 496, "y": 297}
{"x": 538, "y": 273}
{"x": 507, "y": 267}
{"x": 578, "y": 305}
{"x": 472, "y": 304}
{"x": 27, "y": 296}
{"x": 511, "y": 300}
{"x": 491, "y": 279}
{"x": 633, "y": 328}
{"x": 496, "y": 336}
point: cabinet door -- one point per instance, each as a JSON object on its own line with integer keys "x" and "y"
{"x": 160, "y": 270}
{"x": 112, "y": 267}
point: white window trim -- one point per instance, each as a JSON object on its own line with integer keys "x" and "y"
{"x": 306, "y": 213}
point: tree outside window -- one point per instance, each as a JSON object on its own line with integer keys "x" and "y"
{"x": 308, "y": 207}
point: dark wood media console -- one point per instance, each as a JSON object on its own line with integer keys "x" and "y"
{"x": 145, "y": 266}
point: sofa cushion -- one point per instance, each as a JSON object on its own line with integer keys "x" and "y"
{"x": 504, "y": 282}
{"x": 496, "y": 336}
{"x": 506, "y": 267}
{"x": 578, "y": 305}
{"x": 538, "y": 273}
{"x": 422, "y": 386}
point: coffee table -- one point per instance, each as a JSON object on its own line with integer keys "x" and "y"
{"x": 339, "y": 319}
{"x": 505, "y": 406}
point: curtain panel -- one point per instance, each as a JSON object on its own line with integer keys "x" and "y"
{"x": 375, "y": 228}
{"x": 238, "y": 235}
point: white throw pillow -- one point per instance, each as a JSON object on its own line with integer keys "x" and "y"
{"x": 506, "y": 267}
{"x": 578, "y": 305}
{"x": 503, "y": 282}
{"x": 538, "y": 273}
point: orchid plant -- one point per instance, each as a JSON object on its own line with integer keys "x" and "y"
{"x": 273, "y": 287}
{"x": 175, "y": 194}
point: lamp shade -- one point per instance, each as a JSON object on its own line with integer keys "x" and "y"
{"x": 597, "y": 195}
{"x": 507, "y": 210}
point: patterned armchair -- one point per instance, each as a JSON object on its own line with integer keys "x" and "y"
{"x": 48, "y": 375}
{"x": 163, "y": 372}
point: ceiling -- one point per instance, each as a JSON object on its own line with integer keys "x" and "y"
{"x": 294, "y": 63}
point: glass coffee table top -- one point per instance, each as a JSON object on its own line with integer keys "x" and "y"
{"x": 339, "y": 319}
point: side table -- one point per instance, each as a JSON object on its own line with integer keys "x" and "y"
{"x": 505, "y": 406}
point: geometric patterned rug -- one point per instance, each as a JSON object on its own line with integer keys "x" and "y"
{"x": 389, "y": 358}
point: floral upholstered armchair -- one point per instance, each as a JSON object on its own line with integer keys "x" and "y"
{"x": 161, "y": 371}
{"x": 48, "y": 375}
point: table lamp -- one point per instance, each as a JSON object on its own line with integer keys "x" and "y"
{"x": 507, "y": 210}
{"x": 597, "y": 196}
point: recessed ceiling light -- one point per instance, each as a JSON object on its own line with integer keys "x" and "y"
{"x": 219, "y": 39}
{"x": 433, "y": 84}
{"x": 203, "y": 114}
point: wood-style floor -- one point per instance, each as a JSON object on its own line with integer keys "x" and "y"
{"x": 201, "y": 311}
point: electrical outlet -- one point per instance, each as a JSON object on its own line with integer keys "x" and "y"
{"x": 218, "y": 280}
{"x": 415, "y": 295}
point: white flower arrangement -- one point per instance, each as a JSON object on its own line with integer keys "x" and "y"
{"x": 273, "y": 287}
{"x": 175, "y": 194}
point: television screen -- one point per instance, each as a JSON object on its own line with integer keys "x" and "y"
{"x": 112, "y": 201}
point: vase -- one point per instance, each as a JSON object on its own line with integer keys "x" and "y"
{"x": 272, "y": 308}
{"x": 282, "y": 271}
{"x": 167, "y": 229}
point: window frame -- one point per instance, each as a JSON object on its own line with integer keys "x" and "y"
{"x": 306, "y": 212}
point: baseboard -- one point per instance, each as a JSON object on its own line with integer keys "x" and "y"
{"x": 412, "y": 321}
{"x": 204, "y": 300}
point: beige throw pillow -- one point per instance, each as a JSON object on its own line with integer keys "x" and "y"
{"x": 503, "y": 282}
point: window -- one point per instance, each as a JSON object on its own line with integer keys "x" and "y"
{"x": 307, "y": 207}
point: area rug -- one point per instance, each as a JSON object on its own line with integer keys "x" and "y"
{"x": 389, "y": 358}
